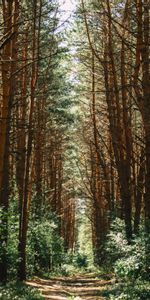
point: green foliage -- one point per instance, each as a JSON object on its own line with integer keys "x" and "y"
{"x": 12, "y": 248}
{"x": 128, "y": 262}
{"x": 44, "y": 248}
{"x": 3, "y": 215}
{"x": 139, "y": 291}
{"x": 74, "y": 262}
{"x": 77, "y": 259}
{"x": 116, "y": 245}
{"x": 12, "y": 239}
{"x": 81, "y": 260}
{"x": 19, "y": 291}
{"x": 44, "y": 245}
{"x": 85, "y": 247}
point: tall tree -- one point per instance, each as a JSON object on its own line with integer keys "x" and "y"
{"x": 8, "y": 67}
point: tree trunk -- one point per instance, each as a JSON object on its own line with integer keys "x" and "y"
{"x": 8, "y": 67}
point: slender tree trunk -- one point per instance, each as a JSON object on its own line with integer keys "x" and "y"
{"x": 10, "y": 17}
{"x": 139, "y": 193}
{"x": 24, "y": 213}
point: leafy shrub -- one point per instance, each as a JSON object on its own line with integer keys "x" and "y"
{"x": 128, "y": 262}
{"x": 140, "y": 291}
{"x": 116, "y": 245}
{"x": 80, "y": 260}
{"x": 133, "y": 264}
{"x": 11, "y": 250}
{"x": 45, "y": 247}
{"x": 74, "y": 262}
{"x": 19, "y": 291}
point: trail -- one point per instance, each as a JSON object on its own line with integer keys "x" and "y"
{"x": 73, "y": 288}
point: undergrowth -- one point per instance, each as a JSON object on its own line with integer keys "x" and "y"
{"x": 128, "y": 263}
{"x": 19, "y": 291}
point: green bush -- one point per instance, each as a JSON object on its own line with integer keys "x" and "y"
{"x": 133, "y": 264}
{"x": 73, "y": 263}
{"x": 19, "y": 291}
{"x": 116, "y": 246}
{"x": 45, "y": 247}
{"x": 128, "y": 261}
{"x": 11, "y": 250}
{"x": 80, "y": 260}
{"x": 139, "y": 291}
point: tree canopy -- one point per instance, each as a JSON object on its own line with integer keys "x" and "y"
{"x": 74, "y": 137}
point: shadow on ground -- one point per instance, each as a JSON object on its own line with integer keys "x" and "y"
{"x": 76, "y": 287}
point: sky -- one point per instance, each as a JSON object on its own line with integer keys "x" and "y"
{"x": 68, "y": 4}
{"x": 67, "y": 7}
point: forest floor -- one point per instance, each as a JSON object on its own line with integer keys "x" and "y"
{"x": 87, "y": 287}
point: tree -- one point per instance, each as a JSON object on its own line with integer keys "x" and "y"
{"x": 8, "y": 67}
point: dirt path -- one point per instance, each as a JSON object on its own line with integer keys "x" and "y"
{"x": 73, "y": 288}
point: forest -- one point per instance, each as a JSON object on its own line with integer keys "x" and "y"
{"x": 75, "y": 149}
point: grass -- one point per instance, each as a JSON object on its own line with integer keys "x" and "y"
{"x": 19, "y": 291}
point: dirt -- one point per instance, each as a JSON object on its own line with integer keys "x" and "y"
{"x": 79, "y": 287}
